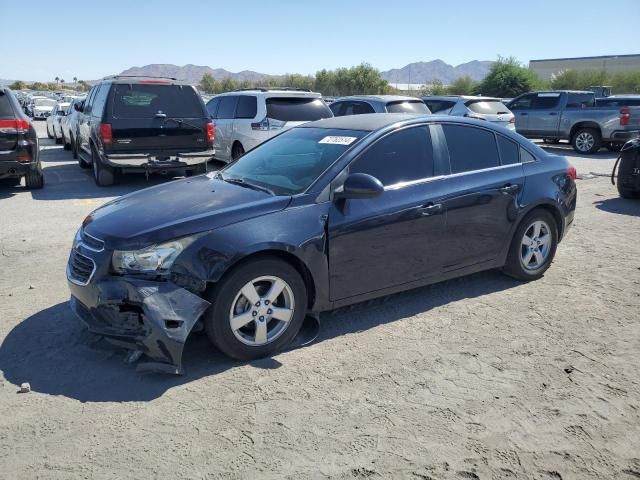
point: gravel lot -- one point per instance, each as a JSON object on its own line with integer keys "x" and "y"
{"x": 478, "y": 378}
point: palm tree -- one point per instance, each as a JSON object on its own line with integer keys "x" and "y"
{"x": 75, "y": 79}
{"x": 62, "y": 80}
{"x": 57, "y": 79}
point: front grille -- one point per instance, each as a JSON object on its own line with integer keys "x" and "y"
{"x": 92, "y": 243}
{"x": 80, "y": 268}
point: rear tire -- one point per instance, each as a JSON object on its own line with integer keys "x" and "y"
{"x": 66, "y": 145}
{"x": 237, "y": 151}
{"x": 74, "y": 149}
{"x": 626, "y": 192}
{"x": 533, "y": 246}
{"x": 48, "y": 132}
{"x": 586, "y": 140}
{"x": 102, "y": 174}
{"x": 227, "y": 299}
{"x": 34, "y": 180}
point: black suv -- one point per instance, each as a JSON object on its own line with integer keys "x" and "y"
{"x": 143, "y": 124}
{"x": 19, "y": 153}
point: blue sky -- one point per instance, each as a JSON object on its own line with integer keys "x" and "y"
{"x": 90, "y": 39}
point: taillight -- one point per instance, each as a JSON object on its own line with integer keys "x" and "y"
{"x": 106, "y": 135}
{"x": 513, "y": 120}
{"x": 210, "y": 132}
{"x": 24, "y": 158}
{"x": 625, "y": 113}
{"x": 15, "y": 125}
{"x": 571, "y": 171}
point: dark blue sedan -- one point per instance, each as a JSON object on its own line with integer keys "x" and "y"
{"x": 324, "y": 215}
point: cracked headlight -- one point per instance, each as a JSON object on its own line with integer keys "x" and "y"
{"x": 154, "y": 259}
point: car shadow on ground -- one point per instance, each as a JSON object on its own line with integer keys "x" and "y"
{"x": 619, "y": 205}
{"x": 57, "y": 356}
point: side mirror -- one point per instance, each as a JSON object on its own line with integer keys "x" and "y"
{"x": 360, "y": 185}
{"x": 78, "y": 107}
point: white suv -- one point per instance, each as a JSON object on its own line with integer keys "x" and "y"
{"x": 245, "y": 118}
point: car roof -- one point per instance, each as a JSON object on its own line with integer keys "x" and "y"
{"x": 273, "y": 92}
{"x": 460, "y": 97}
{"x": 379, "y": 98}
{"x": 133, "y": 79}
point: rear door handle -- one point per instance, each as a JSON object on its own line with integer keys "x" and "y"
{"x": 508, "y": 189}
{"x": 431, "y": 209}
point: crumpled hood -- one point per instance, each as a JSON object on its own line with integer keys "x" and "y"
{"x": 176, "y": 209}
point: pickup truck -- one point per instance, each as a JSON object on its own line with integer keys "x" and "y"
{"x": 572, "y": 115}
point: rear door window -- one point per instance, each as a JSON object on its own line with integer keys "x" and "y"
{"x": 247, "y": 106}
{"x": 6, "y": 111}
{"x": 145, "y": 100}
{"x": 470, "y": 148}
{"x": 296, "y": 109}
{"x": 487, "y": 107}
{"x": 400, "y": 157}
{"x": 580, "y": 100}
{"x": 407, "y": 106}
{"x": 546, "y": 101}
{"x": 227, "y": 108}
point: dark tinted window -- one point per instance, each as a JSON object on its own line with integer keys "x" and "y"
{"x": 545, "y": 101}
{"x": 89, "y": 102}
{"x": 357, "y": 108}
{"x": 580, "y": 100}
{"x": 247, "y": 107}
{"x": 5, "y": 106}
{"x": 99, "y": 100}
{"x": 439, "y": 105}
{"x": 508, "y": 151}
{"x": 470, "y": 148}
{"x": 212, "y": 106}
{"x": 297, "y": 109}
{"x": 338, "y": 108}
{"x": 407, "y": 106}
{"x": 522, "y": 103}
{"x": 487, "y": 107}
{"x": 400, "y": 157}
{"x": 145, "y": 100}
{"x": 292, "y": 161}
{"x": 618, "y": 102}
{"x": 227, "y": 107}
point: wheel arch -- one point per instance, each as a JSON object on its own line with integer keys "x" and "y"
{"x": 281, "y": 254}
{"x": 585, "y": 124}
{"x": 549, "y": 207}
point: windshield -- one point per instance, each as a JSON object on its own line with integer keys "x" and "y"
{"x": 145, "y": 100}
{"x": 292, "y": 161}
{"x": 44, "y": 102}
{"x": 407, "y": 106}
{"x": 295, "y": 109}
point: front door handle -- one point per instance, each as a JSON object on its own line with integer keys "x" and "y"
{"x": 431, "y": 209}
{"x": 508, "y": 189}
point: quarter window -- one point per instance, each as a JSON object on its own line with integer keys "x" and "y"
{"x": 212, "y": 107}
{"x": 400, "y": 157}
{"x": 470, "y": 148}
{"x": 99, "y": 100}
{"x": 508, "y": 151}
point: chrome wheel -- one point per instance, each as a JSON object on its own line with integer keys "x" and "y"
{"x": 262, "y": 310}
{"x": 585, "y": 141}
{"x": 535, "y": 245}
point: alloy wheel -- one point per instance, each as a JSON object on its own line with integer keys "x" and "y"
{"x": 585, "y": 141}
{"x": 262, "y": 310}
{"x": 535, "y": 245}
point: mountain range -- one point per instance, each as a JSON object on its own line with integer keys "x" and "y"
{"x": 418, "y": 72}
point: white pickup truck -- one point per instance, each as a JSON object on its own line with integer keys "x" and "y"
{"x": 572, "y": 115}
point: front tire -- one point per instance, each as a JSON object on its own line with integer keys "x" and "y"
{"x": 586, "y": 140}
{"x": 67, "y": 145}
{"x": 533, "y": 246}
{"x": 48, "y": 132}
{"x": 257, "y": 309}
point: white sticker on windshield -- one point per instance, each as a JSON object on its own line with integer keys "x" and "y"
{"x": 338, "y": 140}
{"x": 548, "y": 95}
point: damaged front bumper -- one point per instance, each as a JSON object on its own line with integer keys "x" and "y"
{"x": 148, "y": 316}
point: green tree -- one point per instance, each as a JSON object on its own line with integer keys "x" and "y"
{"x": 57, "y": 79}
{"x": 38, "y": 86}
{"x": 359, "y": 80}
{"x": 579, "y": 80}
{"x": 462, "y": 86}
{"x": 18, "y": 85}
{"x": 434, "y": 88}
{"x": 208, "y": 84}
{"x": 508, "y": 78}
{"x": 628, "y": 82}
{"x": 83, "y": 86}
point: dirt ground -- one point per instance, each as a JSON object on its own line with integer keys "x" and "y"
{"x": 477, "y": 378}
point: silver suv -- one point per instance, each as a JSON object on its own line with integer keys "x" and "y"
{"x": 245, "y": 118}
{"x": 360, "y": 104}
{"x": 482, "y": 108}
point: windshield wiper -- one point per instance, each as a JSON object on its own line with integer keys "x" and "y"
{"x": 179, "y": 121}
{"x": 243, "y": 183}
